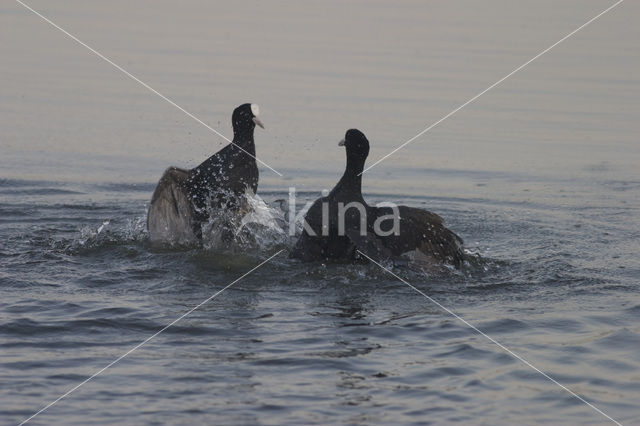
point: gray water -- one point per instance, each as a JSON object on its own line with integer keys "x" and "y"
{"x": 539, "y": 176}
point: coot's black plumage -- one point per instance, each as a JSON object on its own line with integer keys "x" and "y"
{"x": 183, "y": 198}
{"x": 422, "y": 234}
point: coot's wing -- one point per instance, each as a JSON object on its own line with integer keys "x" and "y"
{"x": 170, "y": 215}
{"x": 433, "y": 238}
{"x": 424, "y": 231}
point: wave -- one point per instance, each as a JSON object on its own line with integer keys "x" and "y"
{"x": 263, "y": 227}
{"x": 39, "y": 191}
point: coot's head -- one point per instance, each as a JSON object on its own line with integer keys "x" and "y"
{"x": 356, "y": 144}
{"x": 245, "y": 118}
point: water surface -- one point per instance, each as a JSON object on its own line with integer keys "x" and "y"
{"x": 539, "y": 176}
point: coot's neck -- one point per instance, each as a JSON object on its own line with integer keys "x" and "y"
{"x": 352, "y": 178}
{"x": 243, "y": 141}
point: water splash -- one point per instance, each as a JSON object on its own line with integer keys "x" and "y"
{"x": 262, "y": 226}
{"x": 110, "y": 232}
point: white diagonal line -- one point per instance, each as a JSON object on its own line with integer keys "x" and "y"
{"x": 136, "y": 79}
{"x": 493, "y": 85}
{"x": 146, "y": 340}
{"x": 509, "y": 351}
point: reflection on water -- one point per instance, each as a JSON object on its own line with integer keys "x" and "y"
{"x": 538, "y": 176}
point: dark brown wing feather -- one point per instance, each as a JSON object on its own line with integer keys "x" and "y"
{"x": 170, "y": 215}
{"x": 425, "y": 231}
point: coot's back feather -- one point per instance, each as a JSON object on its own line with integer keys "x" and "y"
{"x": 425, "y": 231}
